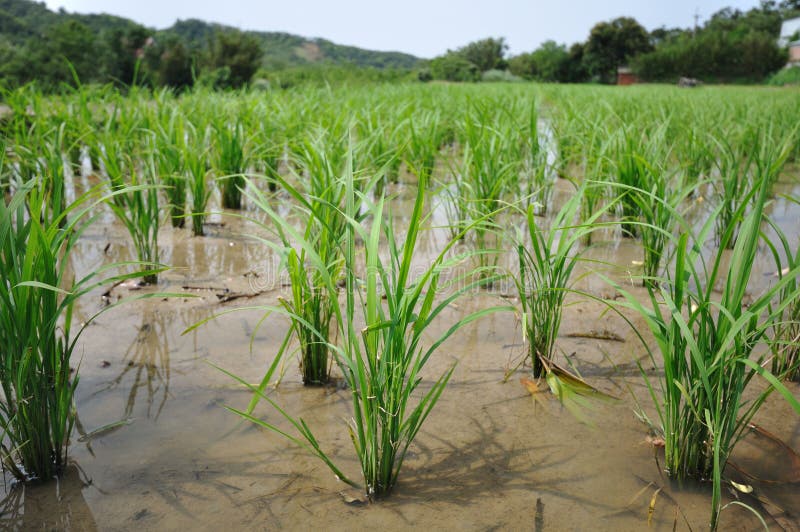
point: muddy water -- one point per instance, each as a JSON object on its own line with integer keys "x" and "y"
{"x": 490, "y": 456}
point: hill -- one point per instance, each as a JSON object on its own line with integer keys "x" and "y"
{"x": 23, "y": 20}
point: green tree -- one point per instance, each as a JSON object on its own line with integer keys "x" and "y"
{"x": 452, "y": 66}
{"x": 48, "y": 60}
{"x": 613, "y": 44}
{"x": 122, "y": 50}
{"x": 169, "y": 63}
{"x": 486, "y": 54}
{"x": 523, "y": 65}
{"x": 240, "y": 53}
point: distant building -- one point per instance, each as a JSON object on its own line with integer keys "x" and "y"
{"x": 625, "y": 76}
{"x": 794, "y": 53}
{"x": 790, "y": 31}
{"x": 790, "y": 38}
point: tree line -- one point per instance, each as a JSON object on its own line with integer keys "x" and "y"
{"x": 731, "y": 46}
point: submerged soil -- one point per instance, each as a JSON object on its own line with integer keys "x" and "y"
{"x": 490, "y": 456}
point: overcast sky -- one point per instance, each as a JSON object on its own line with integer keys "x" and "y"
{"x": 421, "y": 27}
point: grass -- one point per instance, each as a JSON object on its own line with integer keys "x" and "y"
{"x": 648, "y": 148}
{"x": 786, "y": 328}
{"x": 313, "y": 302}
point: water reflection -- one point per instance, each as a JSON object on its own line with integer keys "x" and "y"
{"x": 54, "y": 505}
{"x": 146, "y": 366}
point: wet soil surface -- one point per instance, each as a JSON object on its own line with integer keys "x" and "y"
{"x": 490, "y": 456}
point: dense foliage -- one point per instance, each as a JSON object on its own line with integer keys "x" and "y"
{"x": 52, "y": 48}
{"x": 732, "y": 46}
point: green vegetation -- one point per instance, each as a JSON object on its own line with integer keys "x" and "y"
{"x": 53, "y": 48}
{"x": 546, "y": 264}
{"x": 706, "y": 347}
{"x": 37, "y": 412}
{"x": 530, "y": 180}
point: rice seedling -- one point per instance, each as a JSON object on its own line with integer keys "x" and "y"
{"x": 545, "y": 275}
{"x": 312, "y": 304}
{"x": 786, "y": 329}
{"x": 634, "y": 161}
{"x": 194, "y": 160}
{"x": 36, "y": 330}
{"x": 659, "y": 211}
{"x": 539, "y": 172}
{"x": 734, "y": 166}
{"x": 136, "y": 206}
{"x": 423, "y": 143}
{"x": 270, "y": 151}
{"x": 168, "y": 149}
{"x": 708, "y": 347}
{"x": 383, "y": 361}
{"x": 597, "y": 168}
{"x": 230, "y": 164}
{"x": 491, "y": 166}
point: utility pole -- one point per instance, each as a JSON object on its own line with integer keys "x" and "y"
{"x": 696, "y": 19}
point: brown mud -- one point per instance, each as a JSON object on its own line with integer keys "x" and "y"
{"x": 491, "y": 455}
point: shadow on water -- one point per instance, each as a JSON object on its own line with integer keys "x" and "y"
{"x": 146, "y": 366}
{"x": 487, "y": 468}
{"x": 56, "y": 505}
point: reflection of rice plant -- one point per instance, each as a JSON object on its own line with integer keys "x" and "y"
{"x": 708, "y": 347}
{"x": 147, "y": 363}
{"x": 37, "y": 412}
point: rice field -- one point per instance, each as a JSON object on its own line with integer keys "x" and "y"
{"x": 454, "y": 306}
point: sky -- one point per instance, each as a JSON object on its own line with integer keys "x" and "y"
{"x": 425, "y": 28}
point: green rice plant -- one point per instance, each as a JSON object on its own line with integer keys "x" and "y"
{"x": 136, "y": 206}
{"x": 596, "y": 170}
{"x": 52, "y": 164}
{"x": 423, "y": 143}
{"x": 755, "y": 156}
{"x": 657, "y": 207}
{"x": 194, "y": 160}
{"x": 491, "y": 165}
{"x": 631, "y": 168}
{"x": 168, "y": 147}
{"x": 37, "y": 412}
{"x": 537, "y": 168}
{"x": 230, "y": 164}
{"x": 312, "y": 305}
{"x": 696, "y": 152}
{"x": 547, "y": 259}
{"x": 270, "y": 151}
{"x": 734, "y": 165}
{"x": 786, "y": 329}
{"x": 383, "y": 361}
{"x": 708, "y": 346}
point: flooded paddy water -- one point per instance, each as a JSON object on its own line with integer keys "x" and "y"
{"x": 490, "y": 456}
